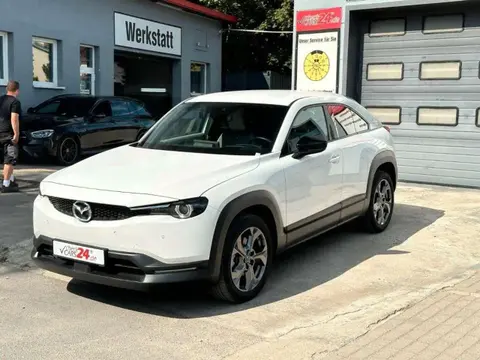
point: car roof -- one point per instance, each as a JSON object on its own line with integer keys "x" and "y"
{"x": 270, "y": 97}
{"x": 93, "y": 97}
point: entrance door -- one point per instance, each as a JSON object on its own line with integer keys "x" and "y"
{"x": 87, "y": 70}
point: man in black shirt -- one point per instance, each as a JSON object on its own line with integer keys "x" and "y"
{"x": 10, "y": 110}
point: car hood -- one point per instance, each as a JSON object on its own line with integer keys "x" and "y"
{"x": 42, "y": 122}
{"x": 169, "y": 174}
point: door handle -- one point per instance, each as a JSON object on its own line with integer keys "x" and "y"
{"x": 335, "y": 159}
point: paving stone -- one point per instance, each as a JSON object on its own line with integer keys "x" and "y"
{"x": 444, "y": 326}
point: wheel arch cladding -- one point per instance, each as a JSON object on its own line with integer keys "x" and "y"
{"x": 383, "y": 161}
{"x": 260, "y": 203}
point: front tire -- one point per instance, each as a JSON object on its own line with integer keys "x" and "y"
{"x": 68, "y": 151}
{"x": 382, "y": 201}
{"x": 246, "y": 260}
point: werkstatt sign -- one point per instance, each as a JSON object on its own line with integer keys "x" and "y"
{"x": 147, "y": 35}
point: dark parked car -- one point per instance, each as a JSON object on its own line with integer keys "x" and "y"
{"x": 68, "y": 126}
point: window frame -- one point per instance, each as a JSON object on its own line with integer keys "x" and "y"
{"x": 477, "y": 118}
{"x": 330, "y": 136}
{"x": 386, "y": 63}
{"x": 54, "y": 83}
{"x": 424, "y": 18}
{"x": 335, "y": 125}
{"x": 385, "y": 19}
{"x": 205, "y": 77}
{"x": 4, "y": 50}
{"x": 388, "y": 107}
{"x": 440, "y": 62}
{"x": 438, "y": 108}
{"x": 89, "y": 70}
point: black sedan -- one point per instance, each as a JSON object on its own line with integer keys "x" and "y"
{"x": 68, "y": 126}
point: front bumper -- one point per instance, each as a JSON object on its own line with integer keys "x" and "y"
{"x": 122, "y": 269}
{"x": 37, "y": 148}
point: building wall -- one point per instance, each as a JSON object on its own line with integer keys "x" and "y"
{"x": 90, "y": 22}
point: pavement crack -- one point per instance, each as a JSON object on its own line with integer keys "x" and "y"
{"x": 318, "y": 353}
{"x": 388, "y": 316}
{"x": 344, "y": 314}
{"x": 295, "y": 328}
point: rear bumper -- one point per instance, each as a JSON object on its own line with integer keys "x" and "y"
{"x": 124, "y": 270}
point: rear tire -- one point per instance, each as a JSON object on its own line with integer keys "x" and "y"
{"x": 246, "y": 260}
{"x": 382, "y": 201}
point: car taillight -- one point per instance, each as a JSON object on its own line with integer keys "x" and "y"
{"x": 386, "y": 128}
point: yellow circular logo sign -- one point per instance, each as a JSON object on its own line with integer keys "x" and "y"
{"x": 316, "y": 65}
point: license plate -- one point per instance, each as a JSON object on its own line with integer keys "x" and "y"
{"x": 79, "y": 253}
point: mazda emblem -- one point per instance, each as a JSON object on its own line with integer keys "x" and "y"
{"x": 82, "y": 211}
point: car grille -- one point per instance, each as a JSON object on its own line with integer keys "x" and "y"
{"x": 100, "y": 212}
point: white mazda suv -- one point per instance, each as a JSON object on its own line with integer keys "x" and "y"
{"x": 215, "y": 190}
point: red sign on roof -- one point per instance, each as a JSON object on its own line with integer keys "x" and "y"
{"x": 319, "y": 19}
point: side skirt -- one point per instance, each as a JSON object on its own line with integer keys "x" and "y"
{"x": 325, "y": 220}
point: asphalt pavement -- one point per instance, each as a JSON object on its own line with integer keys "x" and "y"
{"x": 16, "y": 215}
{"x": 321, "y": 296}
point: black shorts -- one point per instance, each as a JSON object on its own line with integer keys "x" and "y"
{"x": 10, "y": 152}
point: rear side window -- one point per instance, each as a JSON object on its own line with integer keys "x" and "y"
{"x": 138, "y": 109}
{"x": 347, "y": 121}
{"x": 120, "y": 108}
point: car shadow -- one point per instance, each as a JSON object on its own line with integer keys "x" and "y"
{"x": 298, "y": 270}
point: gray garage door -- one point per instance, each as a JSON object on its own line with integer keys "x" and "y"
{"x": 420, "y": 75}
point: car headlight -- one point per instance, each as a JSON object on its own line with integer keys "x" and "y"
{"x": 183, "y": 209}
{"x": 41, "y": 134}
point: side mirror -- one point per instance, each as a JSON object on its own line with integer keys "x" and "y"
{"x": 307, "y": 145}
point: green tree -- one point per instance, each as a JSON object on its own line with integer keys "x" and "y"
{"x": 256, "y": 51}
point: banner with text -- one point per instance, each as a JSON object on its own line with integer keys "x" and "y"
{"x": 147, "y": 35}
{"x": 317, "y": 61}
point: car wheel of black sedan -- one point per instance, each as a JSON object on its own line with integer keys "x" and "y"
{"x": 68, "y": 151}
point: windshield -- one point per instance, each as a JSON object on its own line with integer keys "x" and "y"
{"x": 218, "y": 128}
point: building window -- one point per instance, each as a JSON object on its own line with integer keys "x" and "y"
{"x": 447, "y": 116}
{"x": 87, "y": 70}
{"x": 44, "y": 62}
{"x": 3, "y": 58}
{"x": 389, "y": 115}
{"x": 198, "y": 78}
{"x": 436, "y": 24}
{"x": 388, "y": 27}
{"x": 393, "y": 71}
{"x": 477, "y": 122}
{"x": 440, "y": 70}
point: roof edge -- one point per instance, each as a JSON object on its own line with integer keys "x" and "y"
{"x": 201, "y": 10}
